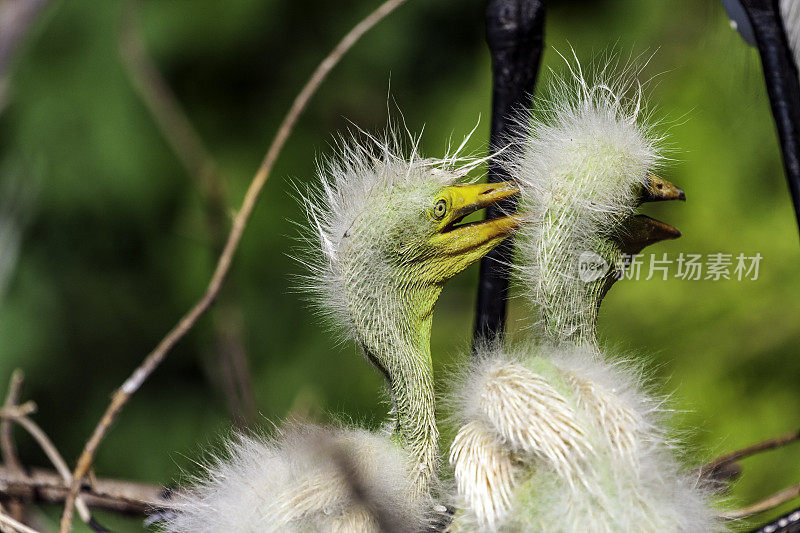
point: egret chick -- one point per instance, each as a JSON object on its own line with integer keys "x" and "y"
{"x": 387, "y": 234}
{"x": 555, "y": 436}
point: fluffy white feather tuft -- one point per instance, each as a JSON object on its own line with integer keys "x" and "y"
{"x": 614, "y": 470}
{"x": 306, "y": 478}
{"x": 374, "y": 271}
{"x": 485, "y": 473}
{"x": 526, "y": 411}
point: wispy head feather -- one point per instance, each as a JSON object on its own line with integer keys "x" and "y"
{"x": 370, "y": 192}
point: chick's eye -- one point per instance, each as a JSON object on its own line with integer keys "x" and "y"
{"x": 439, "y": 209}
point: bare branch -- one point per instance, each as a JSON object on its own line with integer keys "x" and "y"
{"x": 764, "y": 505}
{"x": 7, "y": 446}
{"x": 9, "y": 450}
{"x": 19, "y": 414}
{"x": 154, "y": 358}
{"x": 709, "y": 469}
{"x": 46, "y": 486}
{"x": 14, "y": 525}
{"x": 715, "y": 470}
{"x": 17, "y": 411}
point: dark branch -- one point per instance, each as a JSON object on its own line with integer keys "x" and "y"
{"x": 515, "y": 34}
{"x": 788, "y": 523}
{"x": 783, "y": 85}
{"x": 713, "y": 468}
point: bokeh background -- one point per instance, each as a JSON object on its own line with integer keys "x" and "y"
{"x": 114, "y": 245}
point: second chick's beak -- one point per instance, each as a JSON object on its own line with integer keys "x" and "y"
{"x": 660, "y": 190}
{"x": 641, "y": 231}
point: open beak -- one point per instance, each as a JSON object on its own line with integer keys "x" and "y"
{"x": 640, "y": 231}
{"x": 457, "y": 238}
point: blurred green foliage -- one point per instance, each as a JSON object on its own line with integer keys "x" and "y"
{"x": 116, "y": 248}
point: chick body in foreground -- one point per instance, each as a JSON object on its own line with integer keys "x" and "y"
{"x": 386, "y": 235}
{"x": 556, "y": 436}
{"x": 305, "y": 478}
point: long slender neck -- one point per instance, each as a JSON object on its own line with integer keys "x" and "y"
{"x": 576, "y": 273}
{"x": 395, "y": 334}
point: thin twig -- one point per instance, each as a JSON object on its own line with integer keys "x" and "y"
{"x": 4, "y": 528}
{"x": 19, "y": 414}
{"x": 14, "y": 525}
{"x": 766, "y": 504}
{"x": 236, "y": 379}
{"x": 16, "y": 411}
{"x": 16, "y": 507}
{"x": 120, "y": 496}
{"x": 7, "y": 446}
{"x": 708, "y": 469}
{"x": 188, "y": 146}
{"x": 154, "y": 358}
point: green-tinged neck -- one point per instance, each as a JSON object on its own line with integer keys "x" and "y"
{"x": 576, "y": 272}
{"x": 396, "y": 334}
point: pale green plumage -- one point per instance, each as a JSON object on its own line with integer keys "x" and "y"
{"x": 582, "y": 165}
{"x": 366, "y": 205}
{"x": 383, "y": 260}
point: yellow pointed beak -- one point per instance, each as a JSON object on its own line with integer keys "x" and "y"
{"x": 453, "y": 238}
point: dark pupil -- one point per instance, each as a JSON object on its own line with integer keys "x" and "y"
{"x": 441, "y": 205}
